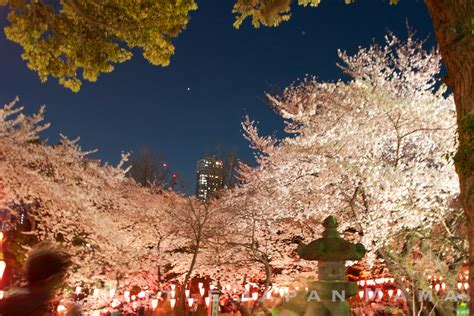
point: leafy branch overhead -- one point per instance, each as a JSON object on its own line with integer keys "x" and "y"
{"x": 271, "y": 12}
{"x": 73, "y": 40}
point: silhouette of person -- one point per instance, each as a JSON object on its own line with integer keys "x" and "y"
{"x": 45, "y": 270}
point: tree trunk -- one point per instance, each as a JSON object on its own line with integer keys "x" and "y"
{"x": 268, "y": 276}
{"x": 182, "y": 296}
{"x": 454, "y": 29}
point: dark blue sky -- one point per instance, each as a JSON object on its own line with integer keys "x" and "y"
{"x": 227, "y": 71}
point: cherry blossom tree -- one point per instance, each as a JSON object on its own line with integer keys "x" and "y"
{"x": 115, "y": 230}
{"x": 373, "y": 150}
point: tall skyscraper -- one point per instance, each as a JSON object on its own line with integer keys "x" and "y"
{"x": 209, "y": 178}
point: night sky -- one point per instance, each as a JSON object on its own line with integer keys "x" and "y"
{"x": 227, "y": 72}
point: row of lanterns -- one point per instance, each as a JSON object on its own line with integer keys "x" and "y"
{"x": 436, "y": 283}
{"x": 251, "y": 294}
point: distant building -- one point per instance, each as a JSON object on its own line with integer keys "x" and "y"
{"x": 209, "y": 178}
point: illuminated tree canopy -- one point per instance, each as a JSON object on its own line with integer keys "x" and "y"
{"x": 75, "y": 40}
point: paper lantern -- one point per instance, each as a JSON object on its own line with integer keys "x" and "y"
{"x": 370, "y": 294}
{"x": 255, "y": 296}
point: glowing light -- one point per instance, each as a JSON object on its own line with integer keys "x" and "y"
{"x": 115, "y": 303}
{"x": 443, "y": 286}
{"x": 213, "y": 286}
{"x": 466, "y": 286}
{"x": 112, "y": 292}
{"x": 173, "y": 287}
{"x": 281, "y": 291}
{"x": 201, "y": 291}
{"x": 78, "y": 290}
{"x": 2, "y": 294}
{"x": 142, "y": 294}
{"x": 96, "y": 292}
{"x": 173, "y": 293}
{"x": 390, "y": 293}
{"x": 207, "y": 300}
{"x": 154, "y": 303}
{"x": 172, "y": 302}
{"x": 361, "y": 294}
{"x": 370, "y": 293}
{"x": 61, "y": 309}
{"x": 269, "y": 295}
{"x": 459, "y": 285}
{"x": 399, "y": 292}
{"x": 200, "y": 285}
{"x": 380, "y": 295}
{"x": 392, "y": 280}
{"x": 228, "y": 287}
{"x": 134, "y": 297}
{"x": 159, "y": 294}
{"x": 362, "y": 283}
{"x": 247, "y": 287}
{"x": 255, "y": 296}
{"x": 1, "y": 237}
{"x": 186, "y": 292}
{"x": 437, "y": 287}
{"x": 190, "y": 301}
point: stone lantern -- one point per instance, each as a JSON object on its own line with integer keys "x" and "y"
{"x": 328, "y": 295}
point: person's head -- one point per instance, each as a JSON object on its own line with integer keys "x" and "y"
{"x": 46, "y": 265}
